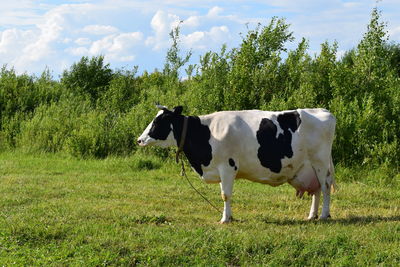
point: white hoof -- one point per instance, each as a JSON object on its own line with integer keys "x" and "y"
{"x": 312, "y": 217}
{"x": 226, "y": 220}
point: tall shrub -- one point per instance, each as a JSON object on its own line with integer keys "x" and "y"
{"x": 257, "y": 55}
{"x": 88, "y": 77}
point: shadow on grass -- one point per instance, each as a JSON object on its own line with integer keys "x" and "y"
{"x": 351, "y": 220}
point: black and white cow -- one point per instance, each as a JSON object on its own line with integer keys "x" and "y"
{"x": 273, "y": 148}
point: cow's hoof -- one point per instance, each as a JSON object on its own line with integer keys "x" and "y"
{"x": 312, "y": 217}
{"x": 324, "y": 218}
{"x": 226, "y": 221}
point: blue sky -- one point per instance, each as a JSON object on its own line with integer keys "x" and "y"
{"x": 35, "y": 34}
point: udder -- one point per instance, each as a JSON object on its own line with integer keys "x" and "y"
{"x": 305, "y": 181}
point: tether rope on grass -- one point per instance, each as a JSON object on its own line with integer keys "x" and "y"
{"x": 183, "y": 173}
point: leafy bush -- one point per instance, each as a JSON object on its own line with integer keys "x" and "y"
{"x": 51, "y": 125}
{"x": 88, "y": 76}
{"x": 101, "y": 134}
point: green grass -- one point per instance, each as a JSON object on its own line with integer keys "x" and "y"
{"x": 60, "y": 211}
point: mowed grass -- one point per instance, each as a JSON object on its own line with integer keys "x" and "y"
{"x": 60, "y": 211}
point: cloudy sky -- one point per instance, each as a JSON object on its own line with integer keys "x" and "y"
{"x": 35, "y": 34}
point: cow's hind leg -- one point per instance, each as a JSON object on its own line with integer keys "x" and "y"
{"x": 326, "y": 204}
{"x": 227, "y": 174}
{"x": 329, "y": 182}
{"x": 322, "y": 172}
{"x": 314, "y": 206}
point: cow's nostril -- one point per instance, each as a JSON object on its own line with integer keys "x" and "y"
{"x": 139, "y": 141}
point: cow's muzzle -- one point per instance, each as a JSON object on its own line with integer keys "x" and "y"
{"x": 140, "y": 142}
{"x": 145, "y": 141}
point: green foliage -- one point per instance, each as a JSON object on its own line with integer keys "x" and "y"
{"x": 253, "y": 63}
{"x": 124, "y": 92}
{"x": 20, "y": 95}
{"x": 88, "y": 76}
{"x": 17, "y": 93}
{"x": 101, "y": 134}
{"x": 174, "y": 61}
{"x": 51, "y": 125}
{"x": 205, "y": 91}
{"x": 11, "y": 129}
{"x": 94, "y": 111}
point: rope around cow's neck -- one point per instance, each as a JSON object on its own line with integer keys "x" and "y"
{"x": 183, "y": 138}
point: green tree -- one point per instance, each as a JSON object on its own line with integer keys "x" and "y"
{"x": 258, "y": 54}
{"x": 89, "y": 77}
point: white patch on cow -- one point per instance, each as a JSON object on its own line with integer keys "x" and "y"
{"x": 145, "y": 139}
{"x": 170, "y": 141}
{"x": 278, "y": 128}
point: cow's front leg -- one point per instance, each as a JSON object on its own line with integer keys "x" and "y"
{"x": 227, "y": 178}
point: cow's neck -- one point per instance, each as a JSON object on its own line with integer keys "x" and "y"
{"x": 196, "y": 147}
{"x": 177, "y": 126}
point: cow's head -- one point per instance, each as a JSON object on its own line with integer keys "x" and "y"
{"x": 160, "y": 131}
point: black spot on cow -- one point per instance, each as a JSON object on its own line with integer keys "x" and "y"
{"x": 197, "y": 147}
{"x": 273, "y": 149}
{"x": 231, "y": 162}
{"x": 289, "y": 120}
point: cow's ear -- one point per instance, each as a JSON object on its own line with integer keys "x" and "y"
{"x": 161, "y": 107}
{"x": 178, "y": 110}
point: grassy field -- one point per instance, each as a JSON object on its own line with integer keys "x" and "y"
{"x": 60, "y": 211}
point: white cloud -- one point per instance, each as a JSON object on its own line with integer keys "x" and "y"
{"x": 13, "y": 40}
{"x": 194, "y": 38}
{"x": 50, "y": 31}
{"x": 12, "y": 43}
{"x": 214, "y": 12}
{"x": 394, "y": 33}
{"x": 340, "y": 54}
{"x": 192, "y": 21}
{"x": 351, "y": 4}
{"x": 46, "y": 41}
{"x": 162, "y": 23}
{"x": 37, "y": 47}
{"x": 77, "y": 51}
{"x": 17, "y": 13}
{"x": 116, "y": 46}
{"x": 204, "y": 40}
{"x": 126, "y": 40}
{"x": 99, "y": 29}
{"x": 83, "y": 41}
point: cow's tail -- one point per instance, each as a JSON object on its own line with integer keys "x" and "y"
{"x": 331, "y": 177}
